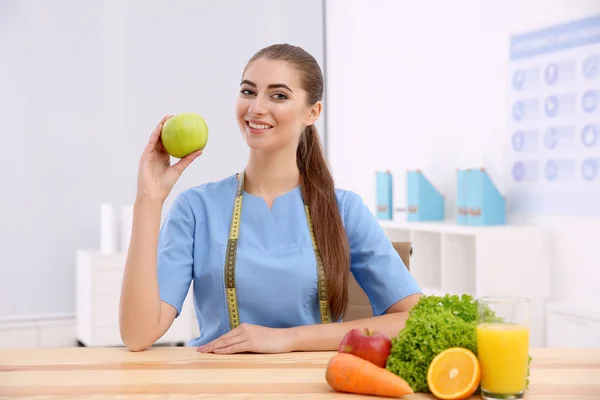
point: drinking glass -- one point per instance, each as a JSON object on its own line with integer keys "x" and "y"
{"x": 503, "y": 346}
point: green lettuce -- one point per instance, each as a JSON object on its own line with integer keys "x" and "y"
{"x": 435, "y": 324}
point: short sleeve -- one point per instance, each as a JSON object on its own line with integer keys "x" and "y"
{"x": 375, "y": 264}
{"x": 175, "y": 256}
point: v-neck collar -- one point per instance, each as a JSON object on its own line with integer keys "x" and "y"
{"x": 276, "y": 200}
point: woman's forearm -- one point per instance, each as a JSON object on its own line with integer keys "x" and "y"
{"x": 140, "y": 308}
{"x": 327, "y": 337}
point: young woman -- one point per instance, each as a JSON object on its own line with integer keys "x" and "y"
{"x": 269, "y": 249}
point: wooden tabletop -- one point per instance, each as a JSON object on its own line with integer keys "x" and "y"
{"x": 183, "y": 373}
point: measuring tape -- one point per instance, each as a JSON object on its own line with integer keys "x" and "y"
{"x": 230, "y": 261}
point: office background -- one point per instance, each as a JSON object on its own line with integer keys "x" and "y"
{"x": 410, "y": 85}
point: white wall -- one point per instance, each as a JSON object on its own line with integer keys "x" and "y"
{"x": 423, "y": 85}
{"x": 82, "y": 85}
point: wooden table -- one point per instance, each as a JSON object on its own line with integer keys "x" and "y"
{"x": 182, "y": 373}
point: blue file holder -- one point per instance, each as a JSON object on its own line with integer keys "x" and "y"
{"x": 425, "y": 202}
{"x": 384, "y": 195}
{"x": 485, "y": 204}
{"x": 461, "y": 196}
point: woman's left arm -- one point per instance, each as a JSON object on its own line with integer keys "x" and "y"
{"x": 380, "y": 272}
{"x": 325, "y": 337}
{"x": 318, "y": 337}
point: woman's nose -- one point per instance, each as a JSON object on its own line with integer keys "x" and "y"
{"x": 258, "y": 106}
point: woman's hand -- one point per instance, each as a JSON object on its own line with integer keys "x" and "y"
{"x": 250, "y": 338}
{"x": 156, "y": 177}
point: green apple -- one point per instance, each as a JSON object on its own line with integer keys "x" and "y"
{"x": 184, "y": 133}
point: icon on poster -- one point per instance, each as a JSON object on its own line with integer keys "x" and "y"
{"x": 551, "y": 74}
{"x": 518, "y": 80}
{"x": 518, "y": 171}
{"x": 589, "y": 135}
{"x": 550, "y": 138}
{"x": 518, "y": 140}
{"x": 589, "y": 68}
{"x": 589, "y": 169}
{"x": 551, "y": 170}
{"x": 589, "y": 101}
{"x": 518, "y": 111}
{"x": 551, "y": 106}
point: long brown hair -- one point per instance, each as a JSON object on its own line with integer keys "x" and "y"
{"x": 316, "y": 182}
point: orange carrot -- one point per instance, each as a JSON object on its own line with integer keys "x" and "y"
{"x": 351, "y": 374}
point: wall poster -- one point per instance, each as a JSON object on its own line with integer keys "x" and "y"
{"x": 554, "y": 120}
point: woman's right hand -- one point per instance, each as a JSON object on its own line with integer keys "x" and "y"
{"x": 156, "y": 175}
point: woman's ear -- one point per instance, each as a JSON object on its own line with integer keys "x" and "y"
{"x": 313, "y": 113}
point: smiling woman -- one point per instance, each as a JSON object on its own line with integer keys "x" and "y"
{"x": 270, "y": 249}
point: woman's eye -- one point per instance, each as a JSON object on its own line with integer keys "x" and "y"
{"x": 246, "y": 92}
{"x": 280, "y": 96}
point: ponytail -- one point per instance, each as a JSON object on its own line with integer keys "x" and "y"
{"x": 318, "y": 191}
{"x": 316, "y": 181}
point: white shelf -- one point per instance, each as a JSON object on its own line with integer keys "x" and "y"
{"x": 586, "y": 311}
{"x": 506, "y": 260}
{"x": 432, "y": 242}
{"x": 452, "y": 227}
{"x": 573, "y": 325}
{"x": 98, "y": 288}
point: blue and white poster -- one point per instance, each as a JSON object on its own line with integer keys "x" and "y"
{"x": 554, "y": 120}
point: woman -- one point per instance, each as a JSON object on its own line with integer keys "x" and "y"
{"x": 268, "y": 289}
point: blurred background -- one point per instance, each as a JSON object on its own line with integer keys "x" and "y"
{"x": 512, "y": 87}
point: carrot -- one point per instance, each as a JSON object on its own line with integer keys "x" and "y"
{"x": 351, "y": 374}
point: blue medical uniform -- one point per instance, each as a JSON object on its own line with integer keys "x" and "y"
{"x": 276, "y": 274}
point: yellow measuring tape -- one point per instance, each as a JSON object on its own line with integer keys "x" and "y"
{"x": 230, "y": 261}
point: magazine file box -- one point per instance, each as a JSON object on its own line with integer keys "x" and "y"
{"x": 461, "y": 196}
{"x": 485, "y": 204}
{"x": 384, "y": 195}
{"x": 425, "y": 202}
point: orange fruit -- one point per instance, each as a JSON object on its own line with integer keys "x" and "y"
{"x": 454, "y": 374}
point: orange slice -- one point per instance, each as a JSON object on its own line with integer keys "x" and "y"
{"x": 454, "y": 374}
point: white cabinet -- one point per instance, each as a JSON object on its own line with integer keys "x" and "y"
{"x": 98, "y": 288}
{"x": 569, "y": 325}
{"x": 481, "y": 261}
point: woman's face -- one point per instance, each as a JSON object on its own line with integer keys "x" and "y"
{"x": 271, "y": 108}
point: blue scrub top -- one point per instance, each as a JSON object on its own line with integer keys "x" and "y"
{"x": 276, "y": 274}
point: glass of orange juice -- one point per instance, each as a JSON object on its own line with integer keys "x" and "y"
{"x": 503, "y": 346}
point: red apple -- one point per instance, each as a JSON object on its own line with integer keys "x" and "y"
{"x": 368, "y": 344}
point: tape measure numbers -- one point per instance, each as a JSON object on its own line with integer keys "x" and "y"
{"x": 230, "y": 261}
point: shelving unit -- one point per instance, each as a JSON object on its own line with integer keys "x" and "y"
{"x": 98, "y": 287}
{"x": 572, "y": 325}
{"x": 503, "y": 260}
